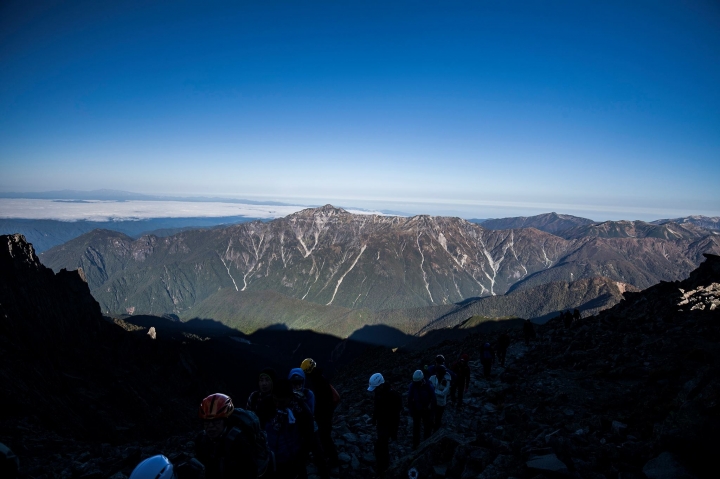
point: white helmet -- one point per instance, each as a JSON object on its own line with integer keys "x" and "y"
{"x": 156, "y": 467}
{"x": 376, "y": 380}
{"x": 418, "y": 376}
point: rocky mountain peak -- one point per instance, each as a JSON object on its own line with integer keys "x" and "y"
{"x": 322, "y": 211}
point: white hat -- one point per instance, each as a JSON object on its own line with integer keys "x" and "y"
{"x": 376, "y": 380}
{"x": 418, "y": 375}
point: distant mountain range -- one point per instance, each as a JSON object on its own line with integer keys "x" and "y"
{"x": 365, "y": 265}
{"x": 569, "y": 226}
{"x": 44, "y": 234}
{"x": 548, "y": 222}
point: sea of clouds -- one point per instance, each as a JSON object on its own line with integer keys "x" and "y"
{"x": 96, "y": 210}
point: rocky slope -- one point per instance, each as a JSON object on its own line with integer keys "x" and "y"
{"x": 632, "y": 392}
{"x": 330, "y": 257}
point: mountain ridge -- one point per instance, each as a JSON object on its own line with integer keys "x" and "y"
{"x": 331, "y": 257}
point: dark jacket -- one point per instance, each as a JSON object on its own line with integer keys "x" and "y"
{"x": 431, "y": 372}
{"x": 421, "y": 397}
{"x": 233, "y": 454}
{"x": 316, "y": 382}
{"x": 386, "y": 414}
{"x": 462, "y": 372}
{"x": 263, "y": 404}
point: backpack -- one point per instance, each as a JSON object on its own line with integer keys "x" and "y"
{"x": 283, "y": 436}
{"x": 245, "y": 427}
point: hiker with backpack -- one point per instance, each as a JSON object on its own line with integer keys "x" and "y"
{"x": 262, "y": 402}
{"x": 386, "y": 417}
{"x": 502, "y": 346}
{"x": 460, "y": 386}
{"x": 297, "y": 381}
{"x": 487, "y": 356}
{"x": 326, "y": 400}
{"x": 421, "y": 403}
{"x": 291, "y": 436}
{"x": 232, "y": 444}
{"x": 439, "y": 361}
{"x": 441, "y": 382}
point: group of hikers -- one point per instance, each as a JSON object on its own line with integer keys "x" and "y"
{"x": 288, "y": 421}
{"x": 569, "y": 318}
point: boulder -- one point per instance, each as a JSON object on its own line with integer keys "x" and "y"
{"x": 547, "y": 464}
{"x": 665, "y": 466}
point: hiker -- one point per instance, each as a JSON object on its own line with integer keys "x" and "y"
{"x": 386, "y": 417}
{"x": 502, "y": 346}
{"x": 439, "y": 361}
{"x": 326, "y": 400}
{"x": 441, "y": 382}
{"x": 567, "y": 319}
{"x": 528, "y": 332}
{"x": 459, "y": 387}
{"x": 576, "y": 315}
{"x": 297, "y": 381}
{"x": 261, "y": 402}
{"x": 232, "y": 444}
{"x": 9, "y": 462}
{"x": 487, "y": 356}
{"x": 421, "y": 403}
{"x": 291, "y": 436}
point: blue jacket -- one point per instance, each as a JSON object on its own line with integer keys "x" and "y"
{"x": 305, "y": 394}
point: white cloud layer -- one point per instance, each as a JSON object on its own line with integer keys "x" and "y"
{"x": 93, "y": 210}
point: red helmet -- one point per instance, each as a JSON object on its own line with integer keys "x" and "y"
{"x": 216, "y": 406}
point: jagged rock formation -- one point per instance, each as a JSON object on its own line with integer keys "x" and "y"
{"x": 67, "y": 366}
{"x": 334, "y": 258}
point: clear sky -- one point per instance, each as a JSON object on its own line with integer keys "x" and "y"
{"x": 478, "y": 108}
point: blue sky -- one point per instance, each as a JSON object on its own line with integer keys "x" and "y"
{"x": 480, "y": 109}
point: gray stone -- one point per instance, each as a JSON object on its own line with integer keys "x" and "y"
{"x": 547, "y": 463}
{"x": 350, "y": 437}
{"x": 344, "y": 457}
{"x": 665, "y": 466}
{"x": 355, "y": 462}
{"x": 440, "y": 470}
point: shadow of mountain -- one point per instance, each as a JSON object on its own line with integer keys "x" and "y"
{"x": 381, "y": 335}
{"x": 274, "y": 346}
{"x": 458, "y": 333}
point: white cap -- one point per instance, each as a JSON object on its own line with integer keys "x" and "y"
{"x": 418, "y": 375}
{"x": 376, "y": 380}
